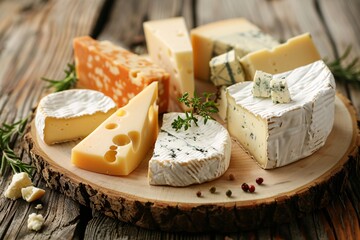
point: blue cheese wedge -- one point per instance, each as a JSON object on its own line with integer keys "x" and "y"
{"x": 279, "y": 90}
{"x": 243, "y": 42}
{"x": 226, "y": 70}
{"x": 279, "y": 134}
{"x": 181, "y": 158}
{"x": 261, "y": 86}
{"x": 221, "y": 101}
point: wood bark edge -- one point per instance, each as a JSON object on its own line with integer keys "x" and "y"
{"x": 216, "y": 217}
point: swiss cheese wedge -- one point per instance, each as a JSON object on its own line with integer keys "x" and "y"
{"x": 123, "y": 140}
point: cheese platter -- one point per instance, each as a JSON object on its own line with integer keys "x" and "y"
{"x": 288, "y": 191}
{"x": 280, "y": 146}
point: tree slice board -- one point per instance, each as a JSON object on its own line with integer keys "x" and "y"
{"x": 287, "y": 192}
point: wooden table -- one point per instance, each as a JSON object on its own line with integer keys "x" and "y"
{"x": 36, "y": 41}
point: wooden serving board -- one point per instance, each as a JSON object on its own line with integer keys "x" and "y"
{"x": 287, "y": 192}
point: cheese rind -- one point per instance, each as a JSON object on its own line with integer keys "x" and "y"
{"x": 181, "y": 158}
{"x": 226, "y": 69}
{"x": 296, "y": 52}
{"x": 71, "y": 114}
{"x": 19, "y": 181}
{"x": 261, "y": 86}
{"x": 118, "y": 73}
{"x": 213, "y": 39}
{"x": 169, "y": 46}
{"x": 279, "y": 134}
{"x": 123, "y": 140}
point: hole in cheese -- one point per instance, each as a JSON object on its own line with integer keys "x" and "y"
{"x": 169, "y": 52}
{"x": 180, "y": 33}
{"x": 151, "y": 113}
{"x": 121, "y": 140}
{"x": 135, "y": 139}
{"x": 110, "y": 156}
{"x": 121, "y": 113}
{"x": 113, "y": 147}
{"x": 134, "y": 74}
{"x": 111, "y": 125}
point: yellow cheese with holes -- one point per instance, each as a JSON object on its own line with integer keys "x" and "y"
{"x": 123, "y": 140}
{"x": 296, "y": 52}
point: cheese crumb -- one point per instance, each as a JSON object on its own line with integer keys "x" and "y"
{"x": 32, "y": 193}
{"x": 19, "y": 181}
{"x": 39, "y": 206}
{"x": 261, "y": 86}
{"x": 35, "y": 221}
{"x": 279, "y": 91}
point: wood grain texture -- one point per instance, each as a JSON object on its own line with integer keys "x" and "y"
{"x": 22, "y": 24}
{"x": 34, "y": 42}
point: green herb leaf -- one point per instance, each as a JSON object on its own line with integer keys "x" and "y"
{"x": 349, "y": 73}
{"x": 198, "y": 106}
{"x": 63, "y": 84}
{"x": 8, "y": 132}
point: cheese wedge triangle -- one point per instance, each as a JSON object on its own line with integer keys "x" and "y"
{"x": 122, "y": 141}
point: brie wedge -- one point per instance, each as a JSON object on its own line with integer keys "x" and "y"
{"x": 71, "y": 114}
{"x": 181, "y": 158}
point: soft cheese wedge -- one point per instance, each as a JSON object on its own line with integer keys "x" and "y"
{"x": 118, "y": 73}
{"x": 219, "y": 37}
{"x": 169, "y": 46}
{"x": 181, "y": 158}
{"x": 71, "y": 115}
{"x": 296, "y": 52}
{"x": 122, "y": 141}
{"x": 279, "y": 134}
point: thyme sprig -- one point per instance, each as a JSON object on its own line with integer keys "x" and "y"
{"x": 197, "y": 107}
{"x": 349, "y": 73}
{"x": 8, "y": 157}
{"x": 66, "y": 83}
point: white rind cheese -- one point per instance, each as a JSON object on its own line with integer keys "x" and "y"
{"x": 71, "y": 114}
{"x": 279, "y": 134}
{"x": 181, "y": 158}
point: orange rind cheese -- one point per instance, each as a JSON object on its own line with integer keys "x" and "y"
{"x": 118, "y": 73}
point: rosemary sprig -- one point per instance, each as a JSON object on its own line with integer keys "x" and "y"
{"x": 349, "y": 73}
{"x": 63, "y": 84}
{"x": 8, "y": 157}
{"x": 203, "y": 108}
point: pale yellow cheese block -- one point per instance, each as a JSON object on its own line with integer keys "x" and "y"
{"x": 296, "y": 52}
{"x": 122, "y": 141}
{"x": 169, "y": 46}
{"x": 203, "y": 37}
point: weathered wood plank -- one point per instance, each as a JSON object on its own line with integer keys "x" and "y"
{"x": 36, "y": 40}
{"x": 342, "y": 20}
{"x": 126, "y": 29}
